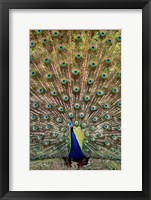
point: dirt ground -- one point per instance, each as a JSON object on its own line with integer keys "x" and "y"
{"x": 58, "y": 164}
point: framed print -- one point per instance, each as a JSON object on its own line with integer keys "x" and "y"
{"x": 75, "y": 99}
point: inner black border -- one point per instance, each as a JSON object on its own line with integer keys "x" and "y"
{"x": 5, "y": 5}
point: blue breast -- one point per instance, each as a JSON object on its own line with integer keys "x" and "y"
{"x": 75, "y": 152}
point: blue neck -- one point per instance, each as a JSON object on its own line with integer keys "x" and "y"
{"x": 75, "y": 152}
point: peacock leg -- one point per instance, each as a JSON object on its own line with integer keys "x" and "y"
{"x": 82, "y": 163}
{"x": 67, "y": 162}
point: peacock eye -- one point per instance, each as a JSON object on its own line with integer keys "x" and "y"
{"x": 39, "y": 137}
{"x": 46, "y": 117}
{"x": 107, "y": 143}
{"x": 32, "y": 44}
{"x": 106, "y": 105}
{"x": 48, "y": 106}
{"x": 46, "y": 142}
{"x": 54, "y": 93}
{"x": 107, "y": 117}
{"x": 81, "y": 115}
{"x": 70, "y": 115}
{"x": 33, "y": 117}
{"x": 55, "y": 135}
{"x": 94, "y": 119}
{"x": 49, "y": 76}
{"x": 109, "y": 41}
{"x": 48, "y": 127}
{"x": 78, "y": 56}
{"x": 76, "y": 89}
{"x": 99, "y": 93}
{"x": 107, "y": 61}
{"x": 114, "y": 90}
{"x": 87, "y": 134}
{"x": 119, "y": 38}
{"x": 87, "y": 98}
{"x": 56, "y": 34}
{"x": 119, "y": 74}
{"x": 64, "y": 81}
{"x": 93, "y": 108}
{"x": 33, "y": 73}
{"x": 92, "y": 48}
{"x": 46, "y": 61}
{"x": 78, "y": 38}
{"x": 63, "y": 64}
{"x": 118, "y": 128}
{"x": 59, "y": 120}
{"x": 90, "y": 81}
{"x": 103, "y": 76}
{"x": 83, "y": 125}
{"x": 93, "y": 65}
{"x": 61, "y": 48}
{"x": 37, "y": 149}
{"x": 75, "y": 72}
{"x": 65, "y": 98}
{"x": 66, "y": 134}
{"x": 35, "y": 105}
{"x": 77, "y": 106}
{"x": 76, "y": 123}
{"x": 45, "y": 41}
{"x": 61, "y": 109}
{"x": 119, "y": 103}
{"x": 39, "y": 31}
{"x": 106, "y": 127}
{"x": 35, "y": 128}
{"x": 41, "y": 90}
{"x": 102, "y": 34}
{"x": 114, "y": 137}
{"x": 91, "y": 128}
{"x": 63, "y": 129}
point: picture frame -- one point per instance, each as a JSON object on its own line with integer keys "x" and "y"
{"x": 4, "y": 101}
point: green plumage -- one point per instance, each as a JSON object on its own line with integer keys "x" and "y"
{"x": 76, "y": 75}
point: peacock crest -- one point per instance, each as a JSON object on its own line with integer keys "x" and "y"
{"x": 75, "y": 95}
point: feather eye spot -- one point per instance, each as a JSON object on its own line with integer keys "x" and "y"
{"x": 87, "y": 98}
{"x": 35, "y": 128}
{"x": 46, "y": 117}
{"x": 94, "y": 119}
{"x": 32, "y": 44}
{"x": 109, "y": 41}
{"x": 114, "y": 90}
{"x": 33, "y": 117}
{"x": 46, "y": 61}
{"x": 81, "y": 115}
{"x": 107, "y": 61}
{"x": 39, "y": 31}
{"x": 33, "y": 73}
{"x": 103, "y": 76}
{"x": 56, "y": 34}
{"x": 71, "y": 115}
{"x": 59, "y": 120}
{"x": 119, "y": 103}
{"x": 64, "y": 64}
{"x": 76, "y": 106}
{"x": 102, "y": 34}
{"x": 61, "y": 48}
{"x": 119, "y": 38}
{"x": 49, "y": 76}
{"x": 61, "y": 109}
{"x": 76, "y": 123}
{"x": 36, "y": 105}
{"x": 45, "y": 41}
{"x": 78, "y": 38}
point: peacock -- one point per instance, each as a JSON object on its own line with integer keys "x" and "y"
{"x": 75, "y": 95}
